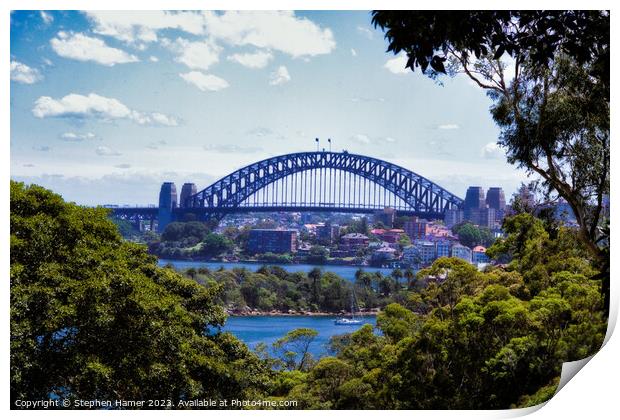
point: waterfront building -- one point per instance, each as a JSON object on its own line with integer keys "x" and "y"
{"x": 442, "y": 248}
{"x": 434, "y": 230}
{"x": 390, "y": 236}
{"x": 412, "y": 257}
{"x": 415, "y": 228}
{"x": 479, "y": 255}
{"x": 277, "y": 241}
{"x": 462, "y": 252}
{"x": 353, "y": 241}
{"x": 427, "y": 251}
{"x": 326, "y": 233}
{"x": 378, "y": 244}
{"x": 383, "y": 254}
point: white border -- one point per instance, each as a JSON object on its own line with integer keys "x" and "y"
{"x": 593, "y": 393}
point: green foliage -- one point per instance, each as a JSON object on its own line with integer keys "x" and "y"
{"x": 427, "y": 37}
{"x": 468, "y": 339}
{"x": 272, "y": 288}
{"x": 358, "y": 226}
{"x": 188, "y": 232}
{"x": 126, "y": 228}
{"x": 94, "y": 317}
{"x": 471, "y": 235}
{"x": 214, "y": 245}
{"x": 293, "y": 348}
{"x": 554, "y": 113}
{"x": 404, "y": 240}
{"x": 318, "y": 254}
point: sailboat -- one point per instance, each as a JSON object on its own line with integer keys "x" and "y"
{"x": 351, "y": 320}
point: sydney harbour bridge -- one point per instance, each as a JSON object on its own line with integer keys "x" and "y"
{"x": 310, "y": 181}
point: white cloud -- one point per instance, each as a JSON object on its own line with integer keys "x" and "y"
{"x": 46, "y": 17}
{"x": 364, "y": 139}
{"x": 154, "y": 145}
{"x": 142, "y": 26}
{"x": 360, "y": 138}
{"x": 231, "y": 148}
{"x": 80, "y": 47}
{"x": 368, "y": 33}
{"x": 397, "y": 64}
{"x": 366, "y": 99}
{"x": 123, "y": 166}
{"x": 277, "y": 30}
{"x": 448, "y": 127}
{"x": 95, "y": 106}
{"x": 204, "y": 82}
{"x": 22, "y": 73}
{"x": 279, "y": 77}
{"x": 256, "y": 60}
{"x": 153, "y": 59}
{"x": 70, "y": 136}
{"x": 260, "y": 132}
{"x": 195, "y": 55}
{"x": 47, "y": 62}
{"x": 492, "y": 151}
{"x": 106, "y": 151}
{"x": 353, "y": 52}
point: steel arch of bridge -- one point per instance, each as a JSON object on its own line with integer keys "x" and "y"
{"x": 227, "y": 194}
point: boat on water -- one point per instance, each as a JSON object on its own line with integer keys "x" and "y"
{"x": 347, "y": 321}
{"x": 351, "y": 320}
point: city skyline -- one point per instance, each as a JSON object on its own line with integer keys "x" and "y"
{"x": 105, "y": 106}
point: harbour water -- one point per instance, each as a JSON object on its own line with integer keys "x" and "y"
{"x": 253, "y": 330}
{"x": 345, "y": 271}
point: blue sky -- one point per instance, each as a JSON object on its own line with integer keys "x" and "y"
{"x": 105, "y": 106}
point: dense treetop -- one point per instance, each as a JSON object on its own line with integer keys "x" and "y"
{"x": 93, "y": 316}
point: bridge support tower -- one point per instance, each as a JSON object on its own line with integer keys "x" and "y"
{"x": 167, "y": 204}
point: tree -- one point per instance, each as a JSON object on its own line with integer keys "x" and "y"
{"x": 404, "y": 240}
{"x": 523, "y": 201}
{"x": 94, "y": 317}
{"x": 359, "y": 226}
{"x": 315, "y": 277}
{"x": 471, "y": 339}
{"x": 469, "y": 235}
{"x": 191, "y": 232}
{"x": 410, "y": 276}
{"x": 214, "y": 244}
{"x": 318, "y": 254}
{"x": 553, "y": 114}
{"x": 429, "y": 37}
{"x": 295, "y": 346}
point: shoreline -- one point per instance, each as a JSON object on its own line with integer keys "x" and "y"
{"x": 240, "y": 314}
{"x": 266, "y": 263}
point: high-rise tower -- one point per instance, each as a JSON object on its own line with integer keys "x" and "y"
{"x": 167, "y": 203}
{"x": 474, "y": 201}
{"x": 497, "y": 201}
